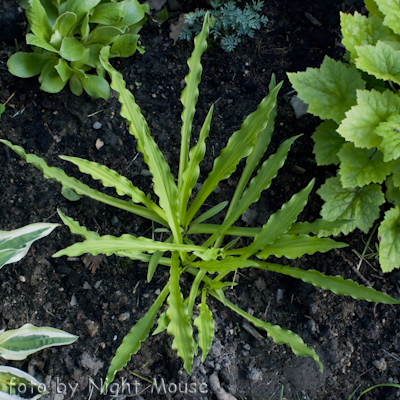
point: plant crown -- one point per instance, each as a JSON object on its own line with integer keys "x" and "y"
{"x": 360, "y": 106}
{"x": 67, "y": 37}
{"x": 229, "y": 22}
{"x": 211, "y": 261}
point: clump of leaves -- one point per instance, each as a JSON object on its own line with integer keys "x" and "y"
{"x": 67, "y": 37}
{"x": 213, "y": 261}
{"x": 230, "y": 22}
{"x": 359, "y": 102}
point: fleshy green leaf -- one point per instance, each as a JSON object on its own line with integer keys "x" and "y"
{"x": 26, "y": 65}
{"x": 359, "y": 204}
{"x": 64, "y": 23}
{"x": 63, "y": 70}
{"x": 38, "y": 20}
{"x": 17, "y": 344}
{"x": 103, "y": 35}
{"x": 108, "y": 14}
{"x": 291, "y": 246}
{"x": 94, "y": 85}
{"x": 162, "y": 323}
{"x": 70, "y": 194}
{"x": 330, "y": 91}
{"x": 71, "y": 49}
{"x": 381, "y": 60}
{"x": 75, "y": 85}
{"x": 390, "y": 132}
{"x": 134, "y": 13}
{"x": 13, "y": 382}
{"x": 179, "y": 327}
{"x": 125, "y": 45}
{"x": 358, "y": 30}
{"x": 14, "y": 245}
{"x": 361, "y": 121}
{"x": 360, "y": 167}
{"x": 205, "y": 324}
{"x": 389, "y": 238}
{"x": 132, "y": 341}
{"x": 327, "y": 143}
{"x": 391, "y": 10}
{"x": 335, "y": 284}
{"x": 34, "y": 40}
{"x": 79, "y": 7}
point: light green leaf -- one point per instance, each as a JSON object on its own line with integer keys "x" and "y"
{"x": 154, "y": 260}
{"x": 389, "y": 238}
{"x": 227, "y": 264}
{"x": 391, "y": 10}
{"x": 108, "y": 14}
{"x": 13, "y": 382}
{"x": 75, "y": 228}
{"x": 330, "y": 91}
{"x": 56, "y": 39}
{"x": 335, "y": 284}
{"x": 14, "y": 245}
{"x": 61, "y": 177}
{"x": 392, "y": 192}
{"x": 179, "y": 327}
{"x": 358, "y": 30}
{"x": 210, "y": 213}
{"x": 358, "y": 204}
{"x": 109, "y": 244}
{"x": 51, "y": 82}
{"x": 291, "y": 246}
{"x": 63, "y": 70}
{"x": 79, "y": 7}
{"x": 111, "y": 178}
{"x": 75, "y": 85}
{"x": 2, "y": 109}
{"x": 39, "y": 42}
{"x": 39, "y": 22}
{"x": 134, "y": 13}
{"x": 103, "y": 35}
{"x": 396, "y": 173}
{"x": 64, "y": 23}
{"x": 17, "y": 344}
{"x": 125, "y": 45}
{"x": 279, "y": 222}
{"x": 373, "y": 9}
{"x": 360, "y": 167}
{"x": 302, "y": 228}
{"x": 132, "y": 341}
{"x": 362, "y": 120}
{"x": 382, "y": 61}
{"x": 70, "y": 194}
{"x": 26, "y": 65}
{"x": 189, "y": 98}
{"x": 71, "y": 49}
{"x": 162, "y": 323}
{"x": 390, "y": 132}
{"x": 327, "y": 143}
{"x": 205, "y": 325}
{"x": 279, "y": 335}
{"x": 93, "y": 85}
{"x": 164, "y": 184}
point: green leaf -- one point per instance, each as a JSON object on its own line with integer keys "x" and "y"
{"x": 75, "y": 228}
{"x": 291, "y": 246}
{"x": 132, "y": 341}
{"x": 26, "y": 65}
{"x": 279, "y": 222}
{"x": 154, "y": 260}
{"x": 79, "y": 7}
{"x": 51, "y": 81}
{"x": 227, "y": 264}
{"x": 109, "y": 244}
{"x": 14, "y": 245}
{"x": 205, "y": 325}
{"x": 358, "y": 204}
{"x": 13, "y": 381}
{"x": 134, "y": 13}
{"x": 61, "y": 177}
{"x": 93, "y": 85}
{"x": 125, "y": 45}
{"x": 39, "y": 42}
{"x": 327, "y": 143}
{"x": 189, "y": 98}
{"x": 71, "y": 49}
{"x": 301, "y": 228}
{"x": 179, "y": 327}
{"x": 279, "y": 335}
{"x": 335, "y": 284}
{"x": 63, "y": 70}
{"x": 330, "y": 91}
{"x": 108, "y": 14}
{"x": 389, "y": 238}
{"x": 64, "y": 23}
{"x": 358, "y": 30}
{"x": 103, "y": 35}
{"x": 372, "y": 8}
{"x": 210, "y": 213}
{"x": 2, "y": 109}
{"x": 381, "y": 60}
{"x": 162, "y": 323}
{"x": 39, "y": 22}
{"x": 360, "y": 167}
{"x": 392, "y": 192}
{"x": 390, "y": 132}
{"x": 164, "y": 184}
{"x": 75, "y": 85}
{"x": 391, "y": 10}
{"x": 362, "y": 120}
{"x": 17, "y": 344}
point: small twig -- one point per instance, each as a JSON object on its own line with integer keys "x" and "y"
{"x": 9, "y": 99}
{"x": 391, "y": 355}
{"x": 95, "y": 113}
{"x": 351, "y": 264}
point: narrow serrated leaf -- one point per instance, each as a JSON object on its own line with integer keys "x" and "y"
{"x": 76, "y": 228}
{"x": 205, "y": 325}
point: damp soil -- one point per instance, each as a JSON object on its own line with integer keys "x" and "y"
{"x": 357, "y": 342}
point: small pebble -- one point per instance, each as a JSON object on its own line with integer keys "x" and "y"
{"x": 86, "y": 286}
{"x": 22, "y": 279}
{"x": 145, "y": 172}
{"x": 380, "y": 365}
{"x": 124, "y": 316}
{"x": 91, "y": 327}
{"x": 279, "y": 295}
{"x": 73, "y": 302}
{"x": 114, "y": 220}
{"x": 97, "y": 125}
{"x": 97, "y": 284}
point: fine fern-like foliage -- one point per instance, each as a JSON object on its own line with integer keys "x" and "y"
{"x": 230, "y": 22}
{"x": 360, "y": 103}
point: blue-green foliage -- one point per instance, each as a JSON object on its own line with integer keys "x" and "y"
{"x": 230, "y": 22}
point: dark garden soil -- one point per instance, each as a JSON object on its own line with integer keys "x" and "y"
{"x": 357, "y": 341}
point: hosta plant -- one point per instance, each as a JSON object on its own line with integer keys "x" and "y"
{"x": 193, "y": 246}
{"x": 67, "y": 37}
{"x": 17, "y": 344}
{"x": 359, "y": 102}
